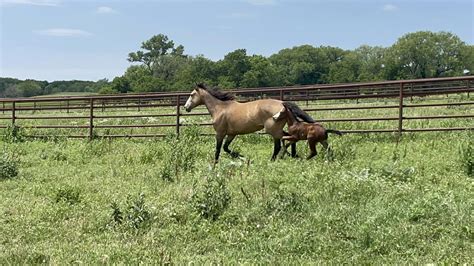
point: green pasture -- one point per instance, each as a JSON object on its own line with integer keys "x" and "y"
{"x": 377, "y": 199}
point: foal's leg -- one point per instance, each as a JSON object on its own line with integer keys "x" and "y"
{"x": 328, "y": 149}
{"x": 276, "y": 148}
{"x": 291, "y": 141}
{"x": 227, "y": 142}
{"x": 312, "y": 147}
{"x": 219, "y": 140}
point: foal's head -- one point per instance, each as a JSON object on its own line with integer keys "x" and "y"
{"x": 197, "y": 96}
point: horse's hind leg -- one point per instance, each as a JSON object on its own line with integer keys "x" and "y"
{"x": 227, "y": 142}
{"x": 312, "y": 147}
{"x": 276, "y": 148}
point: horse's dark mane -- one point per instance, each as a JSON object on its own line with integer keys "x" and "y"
{"x": 297, "y": 112}
{"x": 223, "y": 96}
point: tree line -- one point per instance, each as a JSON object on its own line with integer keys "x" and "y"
{"x": 161, "y": 65}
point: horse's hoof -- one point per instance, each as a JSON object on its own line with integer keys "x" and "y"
{"x": 235, "y": 154}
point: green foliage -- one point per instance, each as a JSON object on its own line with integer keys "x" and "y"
{"x": 8, "y": 165}
{"x": 362, "y": 208}
{"x": 69, "y": 195}
{"x": 181, "y": 154}
{"x": 213, "y": 198}
{"x": 425, "y": 54}
{"x": 13, "y": 134}
{"x": 467, "y": 158}
{"x": 285, "y": 203}
{"x": 163, "y": 66}
{"x": 136, "y": 214}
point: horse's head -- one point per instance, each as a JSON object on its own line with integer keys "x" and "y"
{"x": 195, "y": 99}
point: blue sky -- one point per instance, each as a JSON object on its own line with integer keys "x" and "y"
{"x": 89, "y": 40}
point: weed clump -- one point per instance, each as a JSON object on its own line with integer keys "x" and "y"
{"x": 467, "y": 158}
{"x": 213, "y": 198}
{"x": 285, "y": 202}
{"x": 8, "y": 166}
{"x": 135, "y": 215}
{"x": 68, "y": 195}
{"x": 182, "y": 154}
{"x": 13, "y": 134}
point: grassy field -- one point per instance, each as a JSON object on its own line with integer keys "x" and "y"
{"x": 160, "y": 201}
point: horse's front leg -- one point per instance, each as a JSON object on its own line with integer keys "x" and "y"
{"x": 227, "y": 142}
{"x": 219, "y": 140}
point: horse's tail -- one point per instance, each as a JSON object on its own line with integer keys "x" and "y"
{"x": 334, "y": 131}
{"x": 297, "y": 112}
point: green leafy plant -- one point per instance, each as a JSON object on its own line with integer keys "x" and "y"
{"x": 467, "y": 158}
{"x": 8, "y": 165}
{"x": 213, "y": 198}
{"x": 182, "y": 155}
{"x": 14, "y": 133}
{"x": 68, "y": 195}
{"x": 135, "y": 214}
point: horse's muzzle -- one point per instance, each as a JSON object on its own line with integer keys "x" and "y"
{"x": 187, "y": 109}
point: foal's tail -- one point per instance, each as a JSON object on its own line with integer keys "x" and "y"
{"x": 337, "y": 132}
{"x": 297, "y": 112}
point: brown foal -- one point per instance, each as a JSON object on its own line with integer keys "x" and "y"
{"x": 313, "y": 132}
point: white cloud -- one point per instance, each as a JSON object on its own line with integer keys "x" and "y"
{"x": 261, "y": 2}
{"x": 61, "y": 32}
{"x": 106, "y": 10}
{"x": 390, "y": 7}
{"x": 31, "y": 2}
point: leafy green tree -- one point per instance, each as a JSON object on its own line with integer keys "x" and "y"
{"x": 425, "y": 54}
{"x": 140, "y": 80}
{"x": 467, "y": 59}
{"x": 233, "y": 67}
{"x": 306, "y": 64}
{"x": 153, "y": 49}
{"x": 262, "y": 73}
{"x": 197, "y": 69}
{"x": 346, "y": 70}
{"x": 29, "y": 88}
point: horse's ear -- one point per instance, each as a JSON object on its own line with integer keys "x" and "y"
{"x": 201, "y": 86}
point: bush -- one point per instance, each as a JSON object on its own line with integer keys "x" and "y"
{"x": 135, "y": 215}
{"x": 13, "y": 134}
{"x": 467, "y": 158}
{"x": 213, "y": 198}
{"x": 182, "y": 155}
{"x": 8, "y": 166}
{"x": 68, "y": 195}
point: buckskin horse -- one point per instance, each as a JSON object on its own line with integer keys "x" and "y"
{"x": 231, "y": 118}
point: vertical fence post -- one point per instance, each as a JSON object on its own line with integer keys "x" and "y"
{"x": 67, "y": 106}
{"x": 400, "y": 111}
{"x": 467, "y": 86}
{"x": 91, "y": 119}
{"x": 178, "y": 101}
{"x": 281, "y": 95}
{"x": 139, "y": 103}
{"x": 13, "y": 113}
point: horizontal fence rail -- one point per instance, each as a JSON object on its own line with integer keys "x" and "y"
{"x": 98, "y": 116}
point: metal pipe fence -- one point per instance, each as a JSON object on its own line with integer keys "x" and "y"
{"x": 92, "y": 111}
